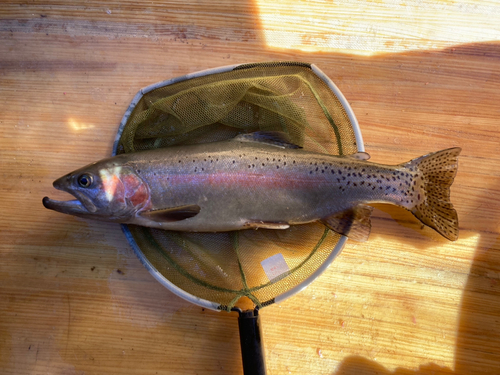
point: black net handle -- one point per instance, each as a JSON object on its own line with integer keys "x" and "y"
{"x": 252, "y": 346}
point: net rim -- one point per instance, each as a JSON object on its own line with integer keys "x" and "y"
{"x": 147, "y": 264}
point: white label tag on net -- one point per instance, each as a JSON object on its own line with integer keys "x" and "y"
{"x": 275, "y": 266}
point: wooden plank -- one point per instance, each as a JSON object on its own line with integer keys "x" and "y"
{"x": 73, "y": 297}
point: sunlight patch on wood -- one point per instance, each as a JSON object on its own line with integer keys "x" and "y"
{"x": 368, "y": 28}
{"x": 76, "y": 125}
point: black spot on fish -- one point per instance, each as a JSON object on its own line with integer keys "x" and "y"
{"x": 340, "y": 172}
{"x": 354, "y": 184}
{"x": 348, "y": 175}
{"x": 322, "y": 171}
{"x": 277, "y": 167}
{"x": 234, "y": 161}
{"x": 348, "y": 182}
{"x": 362, "y": 183}
{"x": 317, "y": 169}
{"x": 333, "y": 172}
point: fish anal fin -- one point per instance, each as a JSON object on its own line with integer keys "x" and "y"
{"x": 273, "y": 138}
{"x": 169, "y": 215}
{"x": 255, "y": 224}
{"x": 354, "y": 223}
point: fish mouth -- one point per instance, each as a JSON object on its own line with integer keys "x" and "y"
{"x": 72, "y": 207}
{"x": 82, "y": 205}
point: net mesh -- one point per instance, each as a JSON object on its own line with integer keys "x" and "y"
{"x": 283, "y": 96}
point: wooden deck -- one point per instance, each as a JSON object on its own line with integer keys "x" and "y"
{"x": 75, "y": 300}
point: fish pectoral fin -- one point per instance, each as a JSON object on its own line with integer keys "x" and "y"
{"x": 273, "y": 138}
{"x": 169, "y": 215}
{"x": 354, "y": 223}
{"x": 255, "y": 224}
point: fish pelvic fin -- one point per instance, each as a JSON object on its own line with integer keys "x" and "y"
{"x": 437, "y": 171}
{"x": 354, "y": 223}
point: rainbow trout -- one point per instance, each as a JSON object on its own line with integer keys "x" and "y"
{"x": 258, "y": 180}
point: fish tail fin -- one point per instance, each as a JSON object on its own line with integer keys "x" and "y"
{"x": 437, "y": 172}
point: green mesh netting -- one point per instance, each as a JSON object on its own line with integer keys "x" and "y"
{"x": 289, "y": 97}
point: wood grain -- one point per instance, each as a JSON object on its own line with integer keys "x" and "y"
{"x": 75, "y": 300}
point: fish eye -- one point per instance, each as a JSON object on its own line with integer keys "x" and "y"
{"x": 85, "y": 180}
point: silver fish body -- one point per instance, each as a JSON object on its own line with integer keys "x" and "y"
{"x": 242, "y": 183}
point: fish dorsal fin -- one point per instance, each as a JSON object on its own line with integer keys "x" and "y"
{"x": 169, "y": 215}
{"x": 354, "y": 223}
{"x": 273, "y": 138}
{"x": 360, "y": 156}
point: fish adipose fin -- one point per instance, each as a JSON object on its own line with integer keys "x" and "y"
{"x": 172, "y": 214}
{"x": 354, "y": 223}
{"x": 273, "y": 138}
{"x": 361, "y": 155}
{"x": 438, "y": 171}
